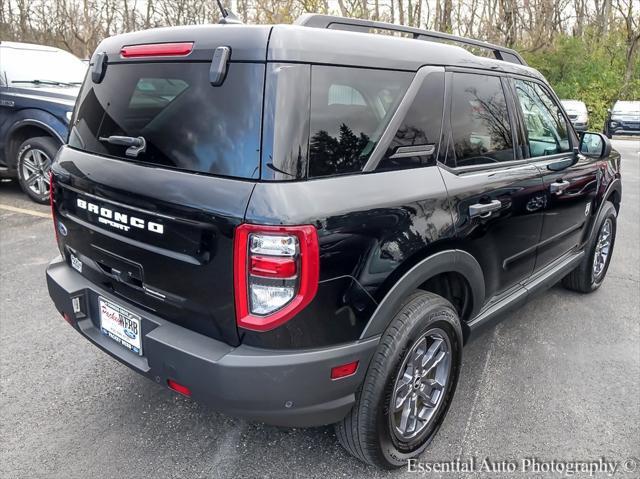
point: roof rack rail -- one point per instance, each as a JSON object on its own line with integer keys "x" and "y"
{"x": 317, "y": 20}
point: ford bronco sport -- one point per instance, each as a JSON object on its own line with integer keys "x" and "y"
{"x": 303, "y": 224}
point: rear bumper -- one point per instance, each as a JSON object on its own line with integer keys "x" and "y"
{"x": 286, "y": 388}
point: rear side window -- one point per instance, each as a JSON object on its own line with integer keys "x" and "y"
{"x": 480, "y": 123}
{"x": 350, "y": 108}
{"x": 186, "y": 123}
{"x": 420, "y": 128}
{"x": 546, "y": 127}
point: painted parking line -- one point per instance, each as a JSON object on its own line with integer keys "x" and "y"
{"x": 25, "y": 211}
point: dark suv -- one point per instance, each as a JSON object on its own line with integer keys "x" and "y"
{"x": 38, "y": 89}
{"x": 623, "y": 119}
{"x": 304, "y": 225}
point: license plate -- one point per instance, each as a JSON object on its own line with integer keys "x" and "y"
{"x": 120, "y": 325}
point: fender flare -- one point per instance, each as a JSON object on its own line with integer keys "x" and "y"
{"x": 615, "y": 185}
{"x": 30, "y": 122}
{"x": 448, "y": 261}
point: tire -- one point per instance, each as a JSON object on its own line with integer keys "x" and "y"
{"x": 35, "y": 156}
{"x": 588, "y": 277}
{"x": 606, "y": 131}
{"x": 372, "y": 431}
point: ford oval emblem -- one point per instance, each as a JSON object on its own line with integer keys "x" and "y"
{"x": 62, "y": 229}
{"x": 130, "y": 333}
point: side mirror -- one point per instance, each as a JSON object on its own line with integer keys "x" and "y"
{"x": 589, "y": 110}
{"x": 595, "y": 145}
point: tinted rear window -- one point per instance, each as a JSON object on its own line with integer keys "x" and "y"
{"x": 350, "y": 108}
{"x": 187, "y": 123}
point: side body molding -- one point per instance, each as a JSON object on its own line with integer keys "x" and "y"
{"x": 457, "y": 261}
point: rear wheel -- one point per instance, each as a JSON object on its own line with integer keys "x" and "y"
{"x": 34, "y": 164}
{"x": 590, "y": 274}
{"x": 409, "y": 385}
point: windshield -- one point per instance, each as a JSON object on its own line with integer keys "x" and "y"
{"x": 49, "y": 67}
{"x": 574, "y": 105}
{"x": 627, "y": 107}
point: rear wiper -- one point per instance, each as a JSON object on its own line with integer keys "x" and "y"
{"x": 43, "y": 82}
{"x": 136, "y": 145}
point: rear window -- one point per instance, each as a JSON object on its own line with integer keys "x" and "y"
{"x": 350, "y": 108}
{"x": 186, "y": 123}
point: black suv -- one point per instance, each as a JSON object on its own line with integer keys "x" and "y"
{"x": 304, "y": 225}
{"x": 38, "y": 89}
{"x": 623, "y": 119}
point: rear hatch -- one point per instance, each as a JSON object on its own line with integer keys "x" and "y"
{"x": 154, "y": 224}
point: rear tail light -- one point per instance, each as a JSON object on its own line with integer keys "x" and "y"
{"x": 276, "y": 271}
{"x": 53, "y": 210}
{"x": 52, "y": 202}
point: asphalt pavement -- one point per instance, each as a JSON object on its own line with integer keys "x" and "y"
{"x": 557, "y": 380}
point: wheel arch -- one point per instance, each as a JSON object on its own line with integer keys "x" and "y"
{"x": 612, "y": 194}
{"x": 446, "y": 262}
{"x": 23, "y": 130}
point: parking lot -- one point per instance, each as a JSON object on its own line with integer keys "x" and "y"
{"x": 556, "y": 380}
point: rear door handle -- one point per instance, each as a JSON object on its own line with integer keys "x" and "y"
{"x": 484, "y": 210}
{"x": 558, "y": 187}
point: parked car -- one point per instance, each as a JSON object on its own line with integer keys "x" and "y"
{"x": 313, "y": 238}
{"x": 577, "y": 113}
{"x": 38, "y": 88}
{"x": 623, "y": 119}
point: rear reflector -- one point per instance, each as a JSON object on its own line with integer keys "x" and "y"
{"x": 344, "y": 370}
{"x": 179, "y": 388}
{"x": 157, "y": 50}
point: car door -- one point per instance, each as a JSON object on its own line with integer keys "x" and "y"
{"x": 570, "y": 186}
{"x": 497, "y": 196}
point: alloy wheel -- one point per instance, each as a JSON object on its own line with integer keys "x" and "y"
{"x": 36, "y": 166}
{"x": 603, "y": 248}
{"x": 420, "y": 387}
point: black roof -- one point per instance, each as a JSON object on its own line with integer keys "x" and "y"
{"x": 294, "y": 43}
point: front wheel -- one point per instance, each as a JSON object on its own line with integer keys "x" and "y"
{"x": 590, "y": 273}
{"x": 409, "y": 384}
{"x": 35, "y": 156}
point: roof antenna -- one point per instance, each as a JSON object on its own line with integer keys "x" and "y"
{"x": 228, "y": 17}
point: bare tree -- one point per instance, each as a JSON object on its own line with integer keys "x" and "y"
{"x": 532, "y": 25}
{"x": 632, "y": 24}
